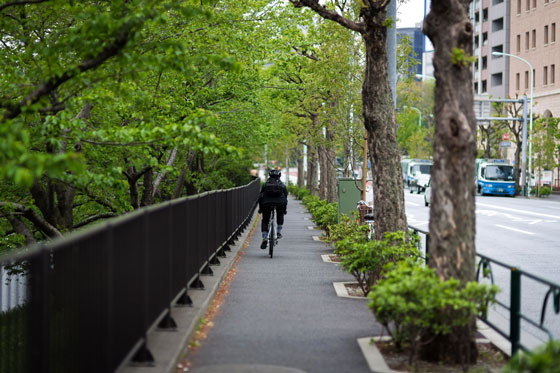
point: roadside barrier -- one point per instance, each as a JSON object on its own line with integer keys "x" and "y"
{"x": 484, "y": 269}
{"x": 92, "y": 297}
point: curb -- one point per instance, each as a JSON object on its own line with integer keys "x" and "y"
{"x": 168, "y": 347}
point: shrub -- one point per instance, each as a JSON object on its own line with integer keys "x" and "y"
{"x": 365, "y": 259}
{"x": 545, "y": 358}
{"x": 412, "y": 303}
{"x": 298, "y": 192}
{"x": 325, "y": 215}
{"x": 544, "y": 191}
{"x": 346, "y": 228}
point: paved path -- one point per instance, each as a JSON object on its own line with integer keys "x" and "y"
{"x": 282, "y": 314}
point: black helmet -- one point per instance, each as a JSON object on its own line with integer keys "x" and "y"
{"x": 274, "y": 173}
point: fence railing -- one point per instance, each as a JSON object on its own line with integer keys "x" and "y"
{"x": 93, "y": 296}
{"x": 484, "y": 269}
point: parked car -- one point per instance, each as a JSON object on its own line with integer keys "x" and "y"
{"x": 428, "y": 194}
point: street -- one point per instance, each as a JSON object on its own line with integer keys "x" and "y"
{"x": 520, "y": 232}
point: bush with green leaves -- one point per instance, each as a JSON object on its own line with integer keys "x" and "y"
{"x": 298, "y": 192}
{"x": 326, "y": 215}
{"x": 545, "y": 358}
{"x": 413, "y": 304}
{"x": 347, "y": 227}
{"x": 365, "y": 259}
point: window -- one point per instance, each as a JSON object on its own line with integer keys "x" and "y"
{"x": 552, "y": 73}
{"x": 497, "y": 79}
{"x": 534, "y": 78}
{"x": 498, "y": 24}
{"x": 546, "y": 35}
{"x": 528, "y": 5}
{"x": 484, "y": 87}
{"x": 545, "y": 76}
{"x": 534, "y": 39}
{"x": 477, "y": 17}
{"x": 497, "y": 48}
{"x": 484, "y": 63}
{"x": 496, "y": 2}
{"x": 476, "y": 65}
{"x": 518, "y": 43}
{"x": 519, "y": 6}
{"x": 553, "y": 33}
{"x": 476, "y": 87}
{"x": 546, "y": 1}
{"x": 476, "y": 40}
{"x": 485, "y": 15}
{"x": 517, "y": 79}
{"x": 534, "y": 4}
{"x": 526, "y": 79}
{"x": 484, "y": 38}
{"x": 527, "y": 40}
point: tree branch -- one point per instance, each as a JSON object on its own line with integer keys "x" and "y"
{"x": 20, "y": 228}
{"x": 30, "y": 214}
{"x": 54, "y": 82}
{"x": 161, "y": 175}
{"x": 93, "y": 218}
{"x": 329, "y": 14}
{"x": 22, "y": 2}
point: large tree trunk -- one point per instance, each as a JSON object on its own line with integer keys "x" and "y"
{"x": 452, "y": 214}
{"x": 55, "y": 201}
{"x": 379, "y": 120}
{"x": 300, "y": 172}
{"x": 312, "y": 170}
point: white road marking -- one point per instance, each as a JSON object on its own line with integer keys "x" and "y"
{"x": 520, "y": 211}
{"x": 504, "y": 215}
{"x": 413, "y": 203}
{"x": 513, "y": 229}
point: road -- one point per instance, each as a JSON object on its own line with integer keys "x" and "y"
{"x": 524, "y": 233}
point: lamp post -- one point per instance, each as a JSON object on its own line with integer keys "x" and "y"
{"x": 530, "y": 107}
{"x": 419, "y": 114}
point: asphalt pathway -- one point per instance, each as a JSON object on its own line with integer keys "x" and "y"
{"x": 283, "y": 315}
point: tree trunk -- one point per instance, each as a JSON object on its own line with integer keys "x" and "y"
{"x": 147, "y": 194}
{"x": 310, "y": 166}
{"x": 300, "y": 172}
{"x": 55, "y": 201}
{"x": 180, "y": 183}
{"x": 322, "y": 172}
{"x": 313, "y": 171}
{"x": 452, "y": 214}
{"x": 331, "y": 164}
{"x": 380, "y": 123}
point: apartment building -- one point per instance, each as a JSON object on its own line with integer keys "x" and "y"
{"x": 535, "y": 37}
{"x": 491, "y": 20}
{"x": 417, "y": 40}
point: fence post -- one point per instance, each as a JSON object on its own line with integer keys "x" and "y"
{"x": 515, "y": 311}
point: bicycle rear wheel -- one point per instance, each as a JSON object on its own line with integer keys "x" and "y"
{"x": 271, "y": 234}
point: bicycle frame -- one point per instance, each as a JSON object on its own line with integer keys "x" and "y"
{"x": 271, "y": 233}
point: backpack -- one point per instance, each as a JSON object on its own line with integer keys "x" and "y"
{"x": 273, "y": 188}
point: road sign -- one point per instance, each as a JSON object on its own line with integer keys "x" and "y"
{"x": 506, "y": 136}
{"x": 505, "y": 144}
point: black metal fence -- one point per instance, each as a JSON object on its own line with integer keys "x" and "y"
{"x": 93, "y": 296}
{"x": 484, "y": 268}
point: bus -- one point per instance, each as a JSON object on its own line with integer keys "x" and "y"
{"x": 495, "y": 176}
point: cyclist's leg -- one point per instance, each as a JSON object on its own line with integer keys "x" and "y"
{"x": 264, "y": 224}
{"x": 280, "y": 211}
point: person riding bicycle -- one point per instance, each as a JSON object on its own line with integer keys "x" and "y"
{"x": 274, "y": 195}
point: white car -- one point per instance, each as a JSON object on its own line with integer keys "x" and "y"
{"x": 428, "y": 194}
{"x": 420, "y": 182}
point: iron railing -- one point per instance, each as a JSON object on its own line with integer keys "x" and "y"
{"x": 93, "y": 296}
{"x": 484, "y": 269}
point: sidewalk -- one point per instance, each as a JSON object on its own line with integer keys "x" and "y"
{"x": 283, "y": 315}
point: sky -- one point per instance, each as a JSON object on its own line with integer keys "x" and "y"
{"x": 410, "y": 13}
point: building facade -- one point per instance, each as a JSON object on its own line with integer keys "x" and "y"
{"x": 535, "y": 38}
{"x": 491, "y": 20}
{"x": 417, "y": 39}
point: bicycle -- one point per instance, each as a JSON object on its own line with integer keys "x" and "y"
{"x": 272, "y": 237}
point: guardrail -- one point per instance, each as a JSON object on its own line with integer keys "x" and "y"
{"x": 484, "y": 268}
{"x": 93, "y": 296}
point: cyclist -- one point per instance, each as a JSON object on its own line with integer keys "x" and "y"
{"x": 274, "y": 195}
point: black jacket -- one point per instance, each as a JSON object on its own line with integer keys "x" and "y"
{"x": 266, "y": 199}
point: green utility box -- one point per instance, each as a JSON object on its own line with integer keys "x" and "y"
{"x": 348, "y": 196}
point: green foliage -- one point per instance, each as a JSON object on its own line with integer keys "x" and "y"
{"x": 365, "y": 259}
{"x": 13, "y": 339}
{"x": 545, "y": 358}
{"x": 348, "y": 229}
{"x": 460, "y": 58}
{"x": 413, "y": 303}
{"x": 298, "y": 192}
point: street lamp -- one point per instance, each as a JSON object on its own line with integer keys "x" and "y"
{"x": 530, "y": 107}
{"x": 419, "y": 114}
